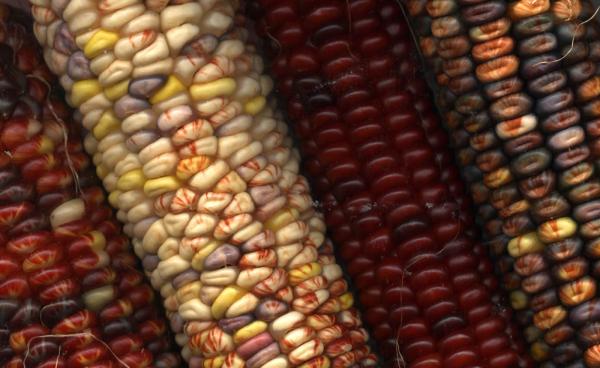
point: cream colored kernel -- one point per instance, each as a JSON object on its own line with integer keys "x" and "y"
{"x": 108, "y": 6}
{"x": 216, "y": 23}
{"x": 176, "y": 223}
{"x": 116, "y": 20}
{"x": 158, "y": 50}
{"x": 205, "y": 179}
{"x": 162, "y": 165}
{"x": 162, "y": 67}
{"x": 168, "y": 249}
{"x": 101, "y": 62}
{"x": 246, "y": 233}
{"x": 229, "y": 144}
{"x": 200, "y": 224}
{"x": 159, "y": 147}
{"x": 128, "y": 163}
{"x": 188, "y": 291}
{"x": 116, "y": 72}
{"x": 149, "y": 21}
{"x": 176, "y": 15}
{"x": 97, "y": 102}
{"x": 244, "y": 305}
{"x": 127, "y": 47}
{"x": 186, "y": 66}
{"x": 131, "y": 198}
{"x": 139, "y": 212}
{"x": 221, "y": 277}
{"x": 245, "y": 154}
{"x": 76, "y": 7}
{"x": 230, "y": 183}
{"x": 178, "y": 37}
{"x": 114, "y": 155}
{"x": 139, "y": 121}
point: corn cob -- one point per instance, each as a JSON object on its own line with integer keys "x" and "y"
{"x": 334, "y": 75}
{"x": 577, "y": 41}
{"x": 202, "y": 173}
{"x": 537, "y": 183}
{"x": 69, "y": 292}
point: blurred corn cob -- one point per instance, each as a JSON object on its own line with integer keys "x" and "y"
{"x": 205, "y": 178}
{"x": 548, "y": 292}
{"x": 69, "y": 292}
{"x": 343, "y": 74}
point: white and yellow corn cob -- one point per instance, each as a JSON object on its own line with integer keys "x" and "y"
{"x": 204, "y": 177}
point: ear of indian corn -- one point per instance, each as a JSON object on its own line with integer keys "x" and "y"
{"x": 70, "y": 295}
{"x": 456, "y": 81}
{"x": 535, "y": 117}
{"x": 383, "y": 193}
{"x": 203, "y": 174}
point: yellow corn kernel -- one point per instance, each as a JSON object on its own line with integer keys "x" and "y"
{"x": 249, "y": 331}
{"x": 226, "y": 298}
{"x": 518, "y": 300}
{"x": 255, "y": 105}
{"x": 98, "y": 240}
{"x": 304, "y": 272}
{"x": 131, "y": 180}
{"x": 100, "y": 41}
{"x": 84, "y": 90}
{"x": 220, "y": 87}
{"x": 158, "y": 186}
{"x": 200, "y": 256}
{"x": 346, "y": 300}
{"x": 113, "y": 198}
{"x": 281, "y": 218}
{"x": 46, "y": 145}
{"x": 107, "y": 124}
{"x": 556, "y": 230}
{"x": 524, "y": 244}
{"x": 117, "y": 91}
{"x": 172, "y": 87}
{"x": 215, "y": 362}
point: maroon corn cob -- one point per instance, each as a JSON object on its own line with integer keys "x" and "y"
{"x": 363, "y": 142}
{"x": 70, "y": 294}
